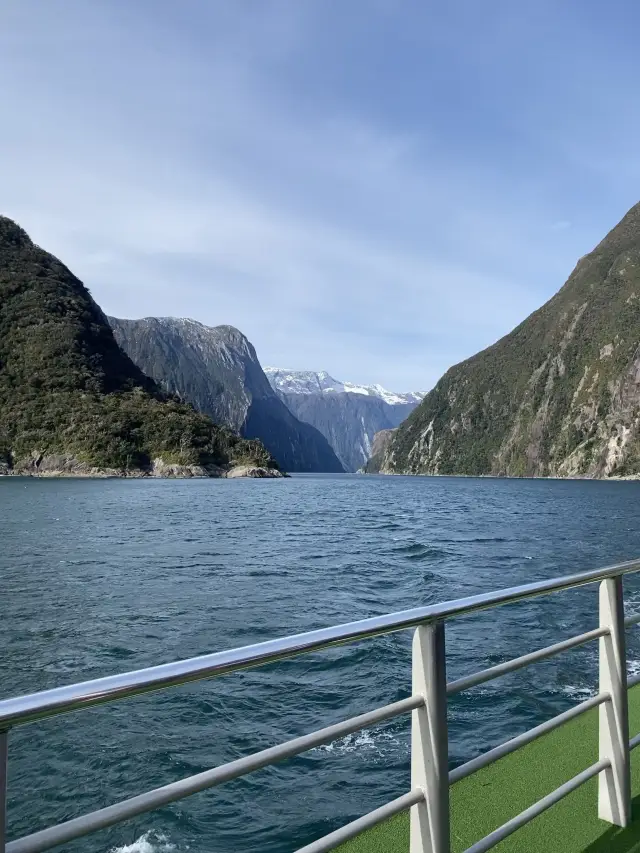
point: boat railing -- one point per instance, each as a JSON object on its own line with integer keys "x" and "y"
{"x": 428, "y": 796}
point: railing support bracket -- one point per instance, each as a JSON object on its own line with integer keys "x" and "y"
{"x": 614, "y": 783}
{"x": 429, "y": 823}
{"x": 4, "y": 769}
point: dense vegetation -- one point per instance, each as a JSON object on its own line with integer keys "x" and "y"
{"x": 67, "y": 389}
{"x": 560, "y": 395}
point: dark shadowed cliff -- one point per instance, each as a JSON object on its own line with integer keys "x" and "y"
{"x": 217, "y": 370}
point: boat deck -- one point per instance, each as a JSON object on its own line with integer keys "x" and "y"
{"x": 487, "y": 799}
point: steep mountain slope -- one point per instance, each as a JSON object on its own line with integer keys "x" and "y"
{"x": 560, "y": 395}
{"x": 71, "y": 401}
{"x": 347, "y": 415}
{"x": 379, "y": 445}
{"x": 217, "y": 370}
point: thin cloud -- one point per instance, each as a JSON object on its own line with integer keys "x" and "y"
{"x": 179, "y": 165}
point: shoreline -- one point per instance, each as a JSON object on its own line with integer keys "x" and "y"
{"x": 612, "y": 478}
{"x": 159, "y": 471}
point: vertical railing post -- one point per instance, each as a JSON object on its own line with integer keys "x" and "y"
{"x": 614, "y": 784}
{"x": 4, "y": 767}
{"x": 430, "y": 742}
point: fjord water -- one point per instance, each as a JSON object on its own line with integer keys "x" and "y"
{"x": 99, "y": 577}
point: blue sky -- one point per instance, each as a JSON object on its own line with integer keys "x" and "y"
{"x": 376, "y": 188}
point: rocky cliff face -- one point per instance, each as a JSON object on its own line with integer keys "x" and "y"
{"x": 216, "y": 369}
{"x": 72, "y": 402}
{"x": 379, "y": 445}
{"x": 558, "y": 396}
{"x": 347, "y": 415}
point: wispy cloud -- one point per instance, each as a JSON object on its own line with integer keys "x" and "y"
{"x": 336, "y": 192}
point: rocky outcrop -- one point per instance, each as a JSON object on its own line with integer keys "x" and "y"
{"x": 57, "y": 465}
{"x": 379, "y": 445}
{"x": 253, "y": 472}
{"x": 216, "y": 369}
{"x": 558, "y": 396}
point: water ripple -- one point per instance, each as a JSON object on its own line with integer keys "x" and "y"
{"x": 101, "y": 577}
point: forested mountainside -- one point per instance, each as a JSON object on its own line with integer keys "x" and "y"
{"x": 71, "y": 401}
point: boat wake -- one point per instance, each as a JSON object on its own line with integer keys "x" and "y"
{"x": 149, "y": 842}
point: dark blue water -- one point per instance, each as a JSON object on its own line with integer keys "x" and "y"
{"x": 105, "y": 576}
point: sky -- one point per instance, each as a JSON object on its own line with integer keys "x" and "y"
{"x": 377, "y": 188}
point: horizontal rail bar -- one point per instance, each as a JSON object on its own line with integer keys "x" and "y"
{"x": 541, "y": 806}
{"x": 632, "y": 620}
{"x": 329, "y": 842}
{"x": 118, "y": 812}
{"x": 517, "y": 663}
{"x": 527, "y": 737}
{"x": 635, "y": 741}
{"x": 60, "y": 700}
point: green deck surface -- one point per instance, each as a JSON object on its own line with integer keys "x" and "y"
{"x": 491, "y": 797}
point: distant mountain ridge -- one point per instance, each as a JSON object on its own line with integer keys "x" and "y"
{"x": 557, "y": 396}
{"x": 311, "y": 382}
{"x": 348, "y": 415}
{"x": 216, "y": 369}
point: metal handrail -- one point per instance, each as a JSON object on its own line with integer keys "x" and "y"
{"x": 536, "y": 809}
{"x": 60, "y": 700}
{"x": 158, "y": 797}
{"x": 339, "y": 836}
{"x": 424, "y": 705}
{"x": 468, "y": 681}
{"x": 509, "y": 746}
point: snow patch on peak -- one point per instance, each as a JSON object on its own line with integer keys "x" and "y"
{"x": 172, "y": 321}
{"x": 311, "y": 382}
{"x": 301, "y": 381}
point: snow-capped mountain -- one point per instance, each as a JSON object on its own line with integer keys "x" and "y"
{"x": 348, "y": 415}
{"x": 311, "y": 382}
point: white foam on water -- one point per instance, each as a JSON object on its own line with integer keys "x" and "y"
{"x": 576, "y": 692}
{"x": 149, "y": 842}
{"x": 360, "y": 740}
{"x": 631, "y": 600}
{"x": 633, "y": 667}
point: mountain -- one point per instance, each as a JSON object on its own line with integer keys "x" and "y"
{"x": 309, "y": 382}
{"x": 72, "y": 402}
{"x": 558, "y": 396}
{"x": 379, "y": 445}
{"x": 347, "y": 415}
{"x": 216, "y": 369}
